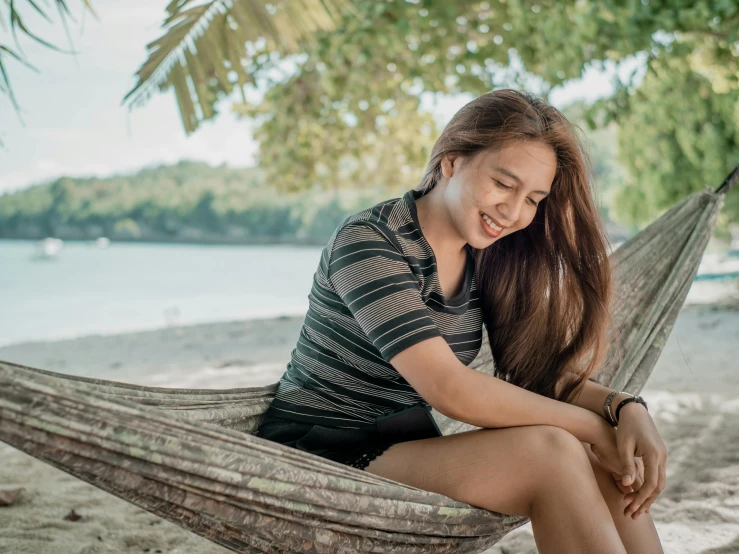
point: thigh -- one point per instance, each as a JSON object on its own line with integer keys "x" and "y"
{"x": 498, "y": 469}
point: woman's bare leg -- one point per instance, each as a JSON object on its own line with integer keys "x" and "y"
{"x": 538, "y": 471}
{"x": 639, "y": 535}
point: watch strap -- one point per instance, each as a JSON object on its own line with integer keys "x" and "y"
{"x": 637, "y": 399}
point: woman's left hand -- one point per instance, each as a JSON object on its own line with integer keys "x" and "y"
{"x": 637, "y": 437}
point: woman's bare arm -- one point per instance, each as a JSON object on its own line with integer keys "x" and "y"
{"x": 593, "y": 396}
{"x": 473, "y": 397}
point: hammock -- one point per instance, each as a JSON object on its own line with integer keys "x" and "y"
{"x": 189, "y": 456}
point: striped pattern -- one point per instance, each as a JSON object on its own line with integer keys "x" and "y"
{"x": 375, "y": 293}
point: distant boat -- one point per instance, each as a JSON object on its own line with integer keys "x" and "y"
{"x": 102, "y": 242}
{"x": 48, "y": 249}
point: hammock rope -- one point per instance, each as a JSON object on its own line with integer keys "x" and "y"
{"x": 190, "y": 456}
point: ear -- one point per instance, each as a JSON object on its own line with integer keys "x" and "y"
{"x": 447, "y": 164}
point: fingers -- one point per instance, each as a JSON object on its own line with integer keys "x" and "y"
{"x": 654, "y": 482}
{"x": 623, "y": 488}
{"x": 628, "y": 466}
{"x": 639, "y": 481}
{"x": 651, "y": 477}
{"x": 660, "y": 487}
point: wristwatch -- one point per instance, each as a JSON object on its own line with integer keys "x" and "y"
{"x": 625, "y": 401}
{"x": 607, "y": 405}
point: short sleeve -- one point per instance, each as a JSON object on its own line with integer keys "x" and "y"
{"x": 375, "y": 282}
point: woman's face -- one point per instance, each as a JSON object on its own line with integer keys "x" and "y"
{"x": 502, "y": 187}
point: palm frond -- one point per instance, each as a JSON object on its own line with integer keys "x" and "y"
{"x": 41, "y": 12}
{"x": 16, "y": 56}
{"x": 5, "y": 82}
{"x": 207, "y": 41}
{"x": 17, "y": 24}
{"x": 88, "y": 6}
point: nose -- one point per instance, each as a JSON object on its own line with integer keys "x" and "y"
{"x": 511, "y": 208}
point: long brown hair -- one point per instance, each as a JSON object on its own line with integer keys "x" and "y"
{"x": 545, "y": 289}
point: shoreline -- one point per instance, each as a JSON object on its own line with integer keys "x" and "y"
{"x": 268, "y": 342}
{"x": 142, "y": 329}
{"x": 169, "y": 354}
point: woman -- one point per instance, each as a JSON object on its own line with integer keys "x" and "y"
{"x": 501, "y": 228}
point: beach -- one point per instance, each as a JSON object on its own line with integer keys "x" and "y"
{"x": 693, "y": 396}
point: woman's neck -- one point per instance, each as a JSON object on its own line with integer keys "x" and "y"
{"x": 437, "y": 226}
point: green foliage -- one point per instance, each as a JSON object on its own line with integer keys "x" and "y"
{"x": 346, "y": 114}
{"x": 201, "y": 51}
{"x": 190, "y": 201}
{"x": 600, "y": 144}
{"x": 18, "y": 27}
{"x": 349, "y": 112}
{"x": 676, "y": 142}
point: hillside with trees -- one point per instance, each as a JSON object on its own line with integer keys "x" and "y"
{"x": 186, "y": 202}
{"x": 194, "y": 202}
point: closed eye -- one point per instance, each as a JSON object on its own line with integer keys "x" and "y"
{"x": 501, "y": 185}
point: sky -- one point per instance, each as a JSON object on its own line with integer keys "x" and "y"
{"x": 72, "y": 121}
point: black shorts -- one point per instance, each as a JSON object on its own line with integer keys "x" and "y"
{"x": 352, "y": 447}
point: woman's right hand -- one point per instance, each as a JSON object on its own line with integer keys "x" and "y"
{"x": 605, "y": 447}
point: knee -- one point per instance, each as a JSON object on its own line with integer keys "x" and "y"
{"x": 557, "y": 450}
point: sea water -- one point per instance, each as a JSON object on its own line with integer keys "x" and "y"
{"x": 85, "y": 289}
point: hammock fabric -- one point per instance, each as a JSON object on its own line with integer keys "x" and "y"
{"x": 189, "y": 456}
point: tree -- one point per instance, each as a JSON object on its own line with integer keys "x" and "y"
{"x": 342, "y": 98}
{"x": 678, "y": 131}
{"x": 15, "y": 23}
{"x": 282, "y": 23}
{"x": 348, "y": 111}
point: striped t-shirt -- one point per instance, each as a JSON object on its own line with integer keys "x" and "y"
{"x": 375, "y": 293}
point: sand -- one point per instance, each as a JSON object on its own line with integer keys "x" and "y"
{"x": 693, "y": 395}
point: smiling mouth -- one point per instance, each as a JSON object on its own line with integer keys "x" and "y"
{"x": 494, "y": 226}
